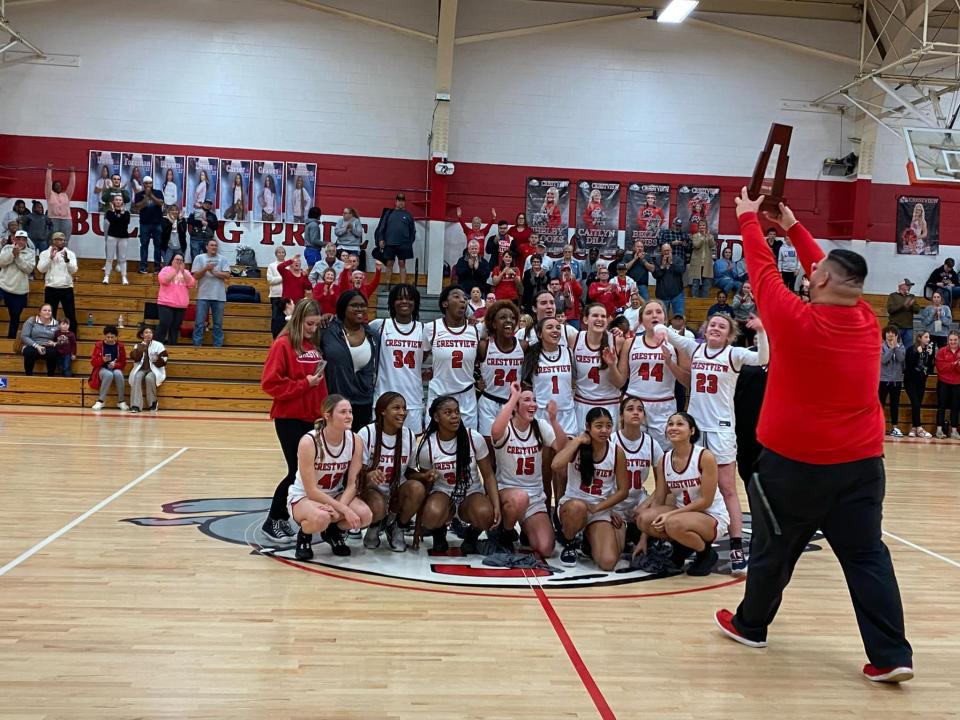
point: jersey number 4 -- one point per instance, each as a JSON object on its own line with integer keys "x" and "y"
{"x": 651, "y": 370}
{"x": 504, "y": 377}
{"x": 399, "y": 359}
{"x": 707, "y": 384}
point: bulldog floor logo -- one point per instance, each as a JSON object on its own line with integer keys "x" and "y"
{"x": 238, "y": 521}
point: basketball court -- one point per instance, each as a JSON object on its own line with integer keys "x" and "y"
{"x": 143, "y": 588}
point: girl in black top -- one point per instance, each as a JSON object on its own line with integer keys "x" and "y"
{"x": 919, "y": 364}
{"x": 115, "y": 240}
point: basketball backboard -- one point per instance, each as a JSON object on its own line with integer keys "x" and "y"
{"x": 934, "y": 155}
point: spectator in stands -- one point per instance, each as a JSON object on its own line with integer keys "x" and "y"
{"x": 354, "y": 279}
{"x": 632, "y": 312}
{"x": 944, "y": 278}
{"x": 58, "y": 202}
{"x": 476, "y": 230}
{"x": 326, "y": 293}
{"x": 296, "y": 284}
{"x": 399, "y": 232}
{"x": 639, "y": 269}
{"x": 725, "y": 272}
{"x": 108, "y": 361}
{"x": 901, "y": 307}
{"x": 535, "y": 280}
{"x": 919, "y": 364}
{"x": 773, "y": 243}
{"x": 472, "y": 270}
{"x": 804, "y": 290}
{"x": 703, "y": 254}
{"x": 788, "y": 263}
{"x": 39, "y": 338}
{"x": 150, "y": 359}
{"x": 115, "y": 241}
{"x": 17, "y": 262}
{"x": 293, "y": 375}
{"x": 149, "y": 203}
{"x": 349, "y": 232}
{"x": 539, "y": 249}
{"x": 114, "y": 189}
{"x": 948, "y": 387}
{"x": 669, "y": 276}
{"x": 677, "y": 239}
{"x": 17, "y": 213}
{"x": 275, "y": 286}
{"x": 173, "y": 298}
{"x": 559, "y": 299}
{"x": 936, "y": 318}
{"x": 522, "y": 235}
{"x": 607, "y": 292}
{"x": 313, "y": 244}
{"x": 475, "y": 303}
{"x": 744, "y": 306}
{"x": 59, "y": 265}
{"x": 627, "y": 284}
{"x": 66, "y": 348}
{"x": 571, "y": 294}
{"x": 567, "y": 260}
{"x": 721, "y": 305}
{"x": 173, "y": 234}
{"x": 329, "y": 261}
{"x": 505, "y": 278}
{"x": 38, "y": 226}
{"x": 351, "y": 349}
{"x": 203, "y": 226}
{"x": 892, "y": 357}
{"x": 500, "y": 243}
{"x": 210, "y": 270}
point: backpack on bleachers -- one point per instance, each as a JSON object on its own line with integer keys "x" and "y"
{"x": 246, "y": 265}
{"x": 243, "y": 293}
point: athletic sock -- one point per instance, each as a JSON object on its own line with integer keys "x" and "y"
{"x": 736, "y": 543}
{"x": 471, "y": 534}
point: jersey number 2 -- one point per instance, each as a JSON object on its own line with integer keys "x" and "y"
{"x": 456, "y": 359}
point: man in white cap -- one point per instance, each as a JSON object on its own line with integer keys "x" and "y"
{"x": 59, "y": 265}
{"x": 16, "y": 264}
{"x": 149, "y": 203}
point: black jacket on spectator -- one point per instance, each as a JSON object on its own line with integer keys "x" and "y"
{"x": 166, "y": 229}
{"x": 468, "y": 278}
{"x": 196, "y": 228}
{"x": 669, "y": 279}
{"x": 493, "y": 249}
{"x": 532, "y": 285}
{"x": 940, "y": 275}
{"x": 396, "y": 228}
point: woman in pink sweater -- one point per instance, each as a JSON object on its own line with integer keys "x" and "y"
{"x": 172, "y": 300}
{"x": 58, "y": 202}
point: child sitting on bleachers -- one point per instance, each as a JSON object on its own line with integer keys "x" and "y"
{"x": 66, "y": 347}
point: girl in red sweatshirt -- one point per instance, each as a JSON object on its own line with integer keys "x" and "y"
{"x": 293, "y": 377}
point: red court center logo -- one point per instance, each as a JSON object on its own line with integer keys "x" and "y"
{"x": 238, "y": 521}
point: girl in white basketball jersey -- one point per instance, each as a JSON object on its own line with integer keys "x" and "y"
{"x": 597, "y": 374}
{"x": 696, "y": 516}
{"x": 323, "y": 497}
{"x": 388, "y": 462}
{"x": 643, "y": 454}
{"x": 714, "y": 368}
{"x": 650, "y": 366}
{"x": 451, "y": 454}
{"x": 596, "y": 471}
{"x": 401, "y": 352}
{"x": 452, "y": 342}
{"x": 548, "y": 370}
{"x": 524, "y": 447}
{"x": 499, "y": 357}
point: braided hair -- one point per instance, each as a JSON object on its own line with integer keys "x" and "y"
{"x": 464, "y": 451}
{"x": 586, "y": 451}
{"x": 383, "y": 403}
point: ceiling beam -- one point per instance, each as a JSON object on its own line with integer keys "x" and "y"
{"x": 843, "y": 10}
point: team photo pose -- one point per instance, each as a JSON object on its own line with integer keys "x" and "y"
{"x": 452, "y": 343}
{"x": 651, "y": 369}
{"x": 524, "y": 446}
{"x": 388, "y": 469}
{"x": 597, "y": 374}
{"x": 714, "y": 368}
{"x": 697, "y": 515}
{"x": 323, "y": 498}
{"x": 401, "y": 352}
{"x": 548, "y": 369}
{"x": 499, "y": 357}
{"x": 458, "y": 473}
{"x": 642, "y": 454}
{"x": 596, "y": 474}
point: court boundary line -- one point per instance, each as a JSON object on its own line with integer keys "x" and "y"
{"x": 27, "y": 554}
{"x": 134, "y": 417}
{"x": 922, "y": 549}
{"x": 138, "y": 447}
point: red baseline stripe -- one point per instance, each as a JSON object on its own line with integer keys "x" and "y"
{"x": 489, "y": 572}
{"x": 585, "y": 677}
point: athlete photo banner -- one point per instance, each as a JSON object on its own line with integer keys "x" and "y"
{"x": 102, "y": 166}
{"x": 235, "y": 189}
{"x": 300, "y": 186}
{"x": 918, "y": 225}
{"x": 598, "y": 216}
{"x": 267, "y": 191}
{"x": 648, "y": 212}
{"x": 548, "y": 212}
{"x": 202, "y": 176}
{"x": 696, "y": 204}
{"x": 134, "y": 167}
{"x": 168, "y": 175}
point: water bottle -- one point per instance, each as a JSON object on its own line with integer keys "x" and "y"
{"x": 120, "y": 321}
{"x": 89, "y": 319}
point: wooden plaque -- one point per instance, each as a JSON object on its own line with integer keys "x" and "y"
{"x": 779, "y": 137}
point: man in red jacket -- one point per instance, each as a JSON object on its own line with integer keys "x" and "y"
{"x": 821, "y": 426}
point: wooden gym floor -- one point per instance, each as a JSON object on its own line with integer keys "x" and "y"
{"x": 105, "y": 618}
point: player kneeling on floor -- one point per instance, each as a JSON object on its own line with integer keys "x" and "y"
{"x": 323, "y": 498}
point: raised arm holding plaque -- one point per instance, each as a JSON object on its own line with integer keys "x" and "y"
{"x": 774, "y": 156}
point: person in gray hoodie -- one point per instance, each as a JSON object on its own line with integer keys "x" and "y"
{"x": 313, "y": 237}
{"x": 892, "y": 357}
{"x": 38, "y": 226}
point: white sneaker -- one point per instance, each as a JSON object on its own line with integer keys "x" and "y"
{"x": 896, "y": 433}
{"x": 940, "y": 435}
{"x": 371, "y": 538}
{"x": 123, "y": 406}
{"x": 106, "y": 279}
{"x": 923, "y": 434}
{"x": 954, "y": 435}
{"x": 124, "y": 280}
{"x": 98, "y": 405}
{"x": 912, "y": 433}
